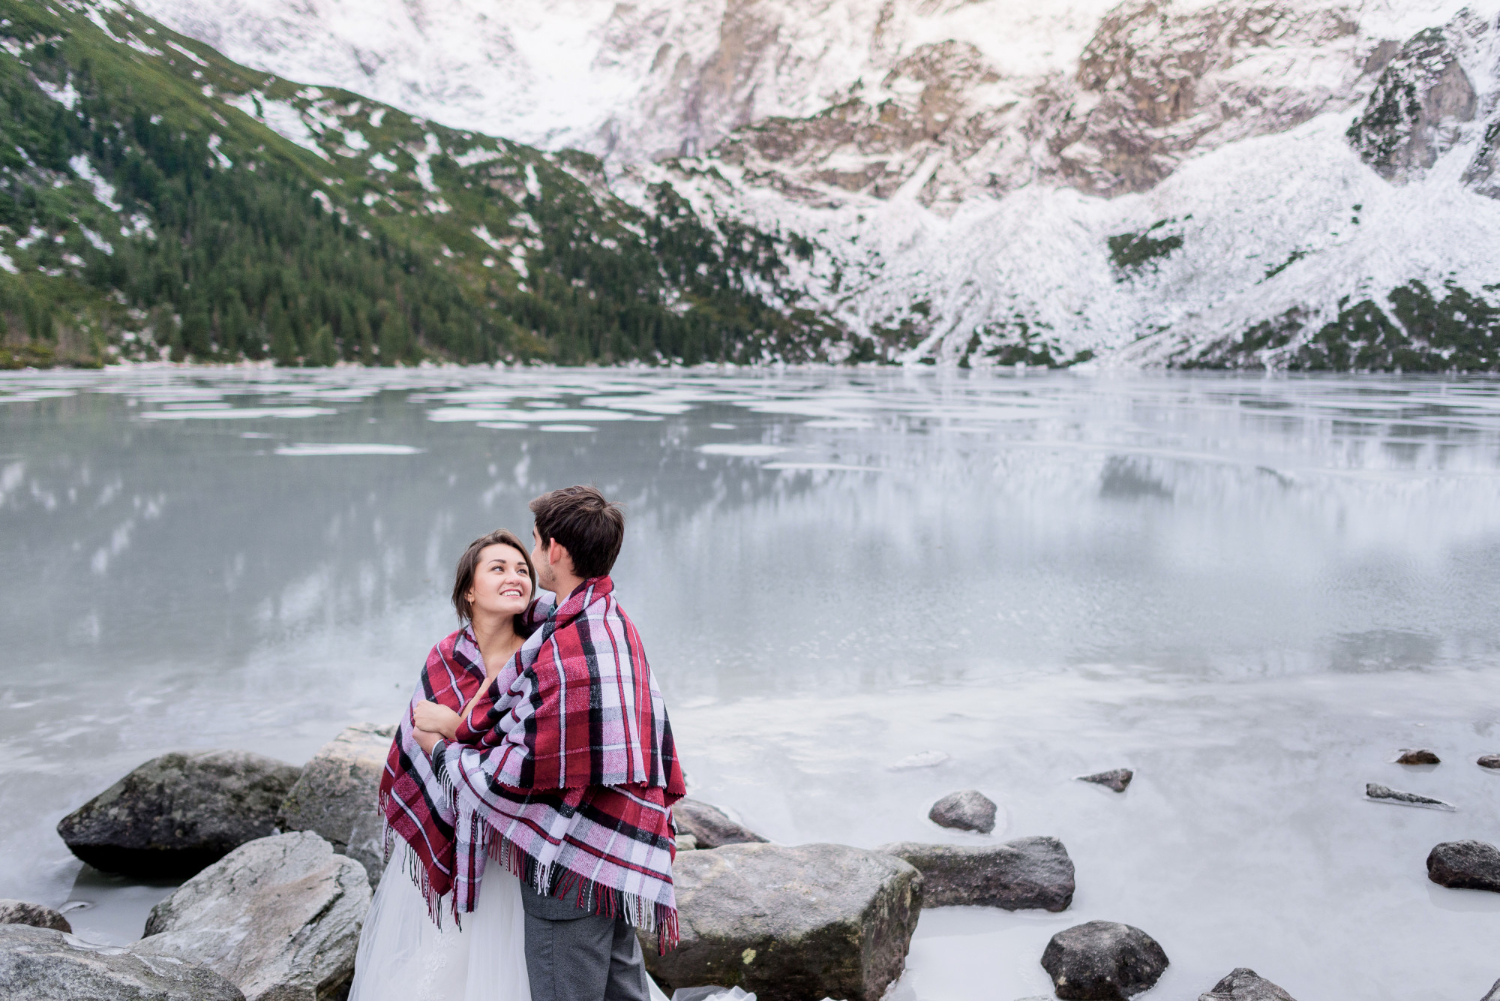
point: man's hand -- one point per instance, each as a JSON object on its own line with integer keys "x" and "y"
{"x": 426, "y": 740}
{"x": 436, "y": 719}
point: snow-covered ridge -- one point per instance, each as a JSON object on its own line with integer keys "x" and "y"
{"x": 986, "y": 182}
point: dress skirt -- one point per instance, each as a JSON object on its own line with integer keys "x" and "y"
{"x": 404, "y": 956}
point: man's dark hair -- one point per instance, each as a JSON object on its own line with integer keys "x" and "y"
{"x": 589, "y": 527}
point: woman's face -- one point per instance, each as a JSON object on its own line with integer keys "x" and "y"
{"x": 501, "y": 585}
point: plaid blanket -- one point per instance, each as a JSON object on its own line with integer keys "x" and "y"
{"x": 565, "y": 770}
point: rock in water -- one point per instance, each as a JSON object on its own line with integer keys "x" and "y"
{"x": 970, "y": 810}
{"x": 1103, "y": 960}
{"x": 1020, "y": 874}
{"x": 337, "y": 795}
{"x": 710, "y": 826}
{"x": 1418, "y": 756}
{"x": 1383, "y": 794}
{"x": 280, "y": 917}
{"x": 1465, "y": 865}
{"x": 1245, "y": 984}
{"x": 790, "y": 924}
{"x": 1117, "y": 779}
{"x": 19, "y": 912}
{"x": 178, "y": 813}
{"x": 1490, "y": 761}
{"x": 41, "y": 964}
{"x": 1494, "y": 994}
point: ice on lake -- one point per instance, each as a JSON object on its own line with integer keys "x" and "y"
{"x": 860, "y": 591}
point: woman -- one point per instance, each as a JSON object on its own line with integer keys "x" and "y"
{"x": 408, "y": 951}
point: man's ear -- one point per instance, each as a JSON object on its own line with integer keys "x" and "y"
{"x": 557, "y": 552}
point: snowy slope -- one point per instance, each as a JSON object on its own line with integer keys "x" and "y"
{"x": 990, "y": 182}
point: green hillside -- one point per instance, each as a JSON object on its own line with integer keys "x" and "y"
{"x": 157, "y": 199}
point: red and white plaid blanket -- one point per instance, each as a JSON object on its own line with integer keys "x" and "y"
{"x": 565, "y": 770}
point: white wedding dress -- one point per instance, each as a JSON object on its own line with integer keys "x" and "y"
{"x": 403, "y": 956}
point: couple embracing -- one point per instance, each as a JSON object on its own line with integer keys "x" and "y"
{"x": 528, "y": 791}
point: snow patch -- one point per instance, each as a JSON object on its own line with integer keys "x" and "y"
{"x": 104, "y": 192}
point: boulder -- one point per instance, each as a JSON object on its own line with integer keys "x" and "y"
{"x": 1017, "y": 875}
{"x": 337, "y": 795}
{"x": 19, "y": 912}
{"x": 1467, "y": 865}
{"x": 178, "y": 813}
{"x": 1418, "y": 756}
{"x": 1103, "y": 960}
{"x": 710, "y": 826}
{"x": 1489, "y": 761}
{"x": 42, "y": 964}
{"x": 970, "y": 810}
{"x": 1382, "y": 794}
{"x": 280, "y": 917}
{"x": 790, "y": 924}
{"x": 1117, "y": 779}
{"x": 1244, "y": 984}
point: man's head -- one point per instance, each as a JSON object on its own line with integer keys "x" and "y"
{"x": 578, "y": 535}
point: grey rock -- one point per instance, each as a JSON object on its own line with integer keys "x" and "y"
{"x": 1383, "y": 794}
{"x": 1103, "y": 960}
{"x": 1467, "y": 865}
{"x": 19, "y": 912}
{"x": 42, "y": 964}
{"x": 1494, "y": 994}
{"x": 710, "y": 826}
{"x": 1021, "y": 874}
{"x": 793, "y": 923}
{"x": 1418, "y": 756}
{"x": 1411, "y": 115}
{"x": 338, "y": 792}
{"x": 1244, "y": 984}
{"x": 970, "y": 810}
{"x": 686, "y": 843}
{"x": 1117, "y": 779}
{"x": 1489, "y": 761}
{"x": 178, "y": 813}
{"x": 280, "y": 917}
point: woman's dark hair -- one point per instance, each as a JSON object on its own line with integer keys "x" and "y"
{"x": 469, "y": 562}
{"x": 589, "y": 527}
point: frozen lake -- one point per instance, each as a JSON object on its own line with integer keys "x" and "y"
{"x": 1251, "y": 591}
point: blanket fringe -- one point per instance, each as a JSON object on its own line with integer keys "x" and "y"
{"x": 588, "y": 895}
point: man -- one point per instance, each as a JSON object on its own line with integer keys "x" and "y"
{"x": 573, "y": 768}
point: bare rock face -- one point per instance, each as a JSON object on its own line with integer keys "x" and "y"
{"x": 179, "y": 812}
{"x": 42, "y": 964}
{"x": 336, "y": 795}
{"x": 1103, "y": 960}
{"x": 280, "y": 917}
{"x": 709, "y": 826}
{"x": 19, "y": 912}
{"x": 1158, "y": 84}
{"x": 1018, "y": 875}
{"x": 1418, "y": 756}
{"x": 1117, "y": 779}
{"x": 789, "y": 924}
{"x": 1244, "y": 984}
{"x": 1468, "y": 865}
{"x": 1410, "y": 116}
{"x": 970, "y": 810}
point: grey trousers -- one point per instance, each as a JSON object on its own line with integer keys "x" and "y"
{"x": 572, "y": 955}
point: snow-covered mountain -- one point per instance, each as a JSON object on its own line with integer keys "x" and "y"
{"x": 1297, "y": 183}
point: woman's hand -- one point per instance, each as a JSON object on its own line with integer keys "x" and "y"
{"x": 426, "y": 740}
{"x": 437, "y": 719}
